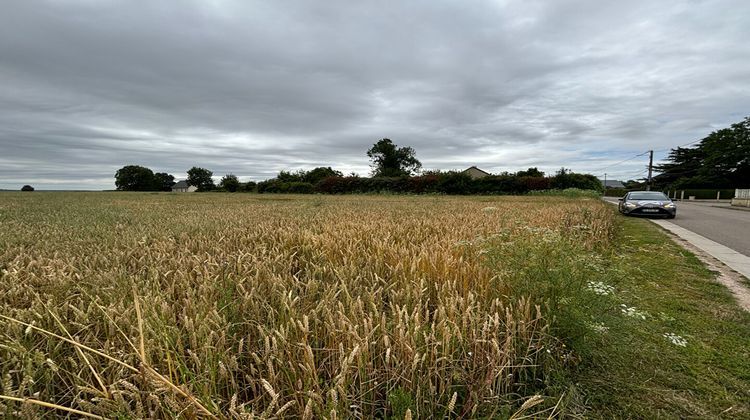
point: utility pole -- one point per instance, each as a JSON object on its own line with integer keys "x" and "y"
{"x": 650, "y": 168}
{"x": 605, "y": 183}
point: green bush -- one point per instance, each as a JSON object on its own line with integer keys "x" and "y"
{"x": 293, "y": 187}
{"x": 451, "y": 183}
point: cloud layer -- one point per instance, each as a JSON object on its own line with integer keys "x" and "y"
{"x": 252, "y": 87}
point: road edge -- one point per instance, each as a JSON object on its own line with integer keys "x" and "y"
{"x": 715, "y": 256}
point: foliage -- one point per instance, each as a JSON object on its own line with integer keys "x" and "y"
{"x": 286, "y": 187}
{"x": 229, "y": 183}
{"x": 200, "y": 178}
{"x": 389, "y": 160}
{"x": 531, "y": 172}
{"x": 720, "y": 160}
{"x": 135, "y": 178}
{"x": 312, "y": 176}
{"x": 436, "y": 182}
{"x": 163, "y": 181}
{"x": 249, "y": 186}
{"x": 140, "y": 178}
{"x": 27, "y": 188}
{"x": 565, "y": 179}
{"x": 316, "y": 175}
{"x": 615, "y": 192}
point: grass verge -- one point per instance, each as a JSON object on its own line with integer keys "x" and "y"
{"x": 664, "y": 339}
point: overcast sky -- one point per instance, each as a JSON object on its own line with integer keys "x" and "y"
{"x": 252, "y": 87}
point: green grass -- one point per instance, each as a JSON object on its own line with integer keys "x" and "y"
{"x": 632, "y": 370}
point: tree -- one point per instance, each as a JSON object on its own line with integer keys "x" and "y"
{"x": 720, "y": 160}
{"x": 312, "y": 176}
{"x": 163, "y": 181}
{"x": 200, "y": 178}
{"x": 230, "y": 183}
{"x": 249, "y": 186}
{"x": 565, "y": 178}
{"x": 27, "y": 188}
{"x": 316, "y": 175}
{"x": 532, "y": 172}
{"x": 390, "y": 160}
{"x": 286, "y": 176}
{"x": 134, "y": 178}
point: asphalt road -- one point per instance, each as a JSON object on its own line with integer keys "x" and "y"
{"x": 716, "y": 221}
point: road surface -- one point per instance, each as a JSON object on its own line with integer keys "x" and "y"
{"x": 715, "y": 221}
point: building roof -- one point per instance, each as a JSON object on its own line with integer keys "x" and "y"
{"x": 475, "y": 168}
{"x": 611, "y": 183}
{"x": 179, "y": 185}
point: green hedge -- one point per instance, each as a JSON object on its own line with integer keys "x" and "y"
{"x": 453, "y": 183}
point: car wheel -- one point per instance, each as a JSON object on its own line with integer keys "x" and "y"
{"x": 671, "y": 216}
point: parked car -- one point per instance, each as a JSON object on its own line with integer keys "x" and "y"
{"x": 647, "y": 203}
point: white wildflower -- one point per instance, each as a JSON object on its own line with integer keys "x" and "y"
{"x": 665, "y": 317}
{"x": 600, "y": 288}
{"x": 676, "y": 339}
{"x": 598, "y": 327}
{"x": 633, "y": 312}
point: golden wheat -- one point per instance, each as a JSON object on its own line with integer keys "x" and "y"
{"x": 243, "y": 306}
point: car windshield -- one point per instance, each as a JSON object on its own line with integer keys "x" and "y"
{"x": 648, "y": 196}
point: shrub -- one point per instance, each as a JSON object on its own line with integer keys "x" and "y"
{"x": 293, "y": 187}
{"x": 27, "y": 188}
{"x": 455, "y": 183}
{"x": 249, "y": 186}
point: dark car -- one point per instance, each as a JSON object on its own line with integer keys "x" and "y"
{"x": 647, "y": 203}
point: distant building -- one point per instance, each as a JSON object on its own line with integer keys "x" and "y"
{"x": 612, "y": 184}
{"x": 183, "y": 186}
{"x": 476, "y": 173}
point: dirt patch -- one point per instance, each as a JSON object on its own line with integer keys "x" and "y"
{"x": 731, "y": 279}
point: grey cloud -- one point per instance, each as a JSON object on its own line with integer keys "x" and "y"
{"x": 253, "y": 87}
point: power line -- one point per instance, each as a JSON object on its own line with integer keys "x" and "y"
{"x": 615, "y": 176}
{"x": 677, "y": 147}
{"x": 620, "y": 162}
{"x": 635, "y": 176}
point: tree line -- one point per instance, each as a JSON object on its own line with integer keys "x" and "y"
{"x": 394, "y": 169}
{"x": 720, "y": 160}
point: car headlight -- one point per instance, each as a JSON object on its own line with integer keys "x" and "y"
{"x": 631, "y": 205}
{"x": 669, "y": 206}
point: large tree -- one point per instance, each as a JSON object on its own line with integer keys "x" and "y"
{"x": 200, "y": 178}
{"x": 390, "y": 160}
{"x": 134, "y": 178}
{"x": 230, "y": 183}
{"x": 720, "y": 160}
{"x": 163, "y": 181}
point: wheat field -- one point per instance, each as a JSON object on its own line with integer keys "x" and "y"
{"x": 129, "y": 305}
